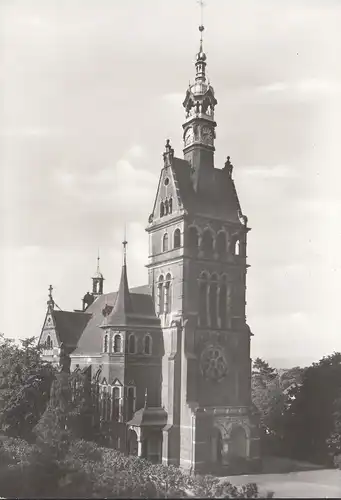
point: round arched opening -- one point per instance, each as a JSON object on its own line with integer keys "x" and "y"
{"x": 238, "y": 443}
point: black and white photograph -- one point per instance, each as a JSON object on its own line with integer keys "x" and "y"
{"x": 170, "y": 241}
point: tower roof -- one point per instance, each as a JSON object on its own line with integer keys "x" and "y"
{"x": 98, "y": 274}
{"x": 123, "y": 306}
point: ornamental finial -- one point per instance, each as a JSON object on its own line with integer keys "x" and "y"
{"x": 168, "y": 154}
{"x": 50, "y": 302}
{"x": 125, "y": 243}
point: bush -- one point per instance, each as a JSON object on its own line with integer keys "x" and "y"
{"x": 83, "y": 469}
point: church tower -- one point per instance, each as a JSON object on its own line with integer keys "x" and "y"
{"x": 197, "y": 272}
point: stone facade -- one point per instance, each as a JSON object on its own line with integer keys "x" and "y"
{"x": 171, "y": 360}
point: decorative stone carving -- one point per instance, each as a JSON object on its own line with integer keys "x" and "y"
{"x": 213, "y": 363}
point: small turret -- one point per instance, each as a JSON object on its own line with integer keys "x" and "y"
{"x": 97, "y": 282}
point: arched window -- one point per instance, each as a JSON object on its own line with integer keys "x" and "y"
{"x": 131, "y": 402}
{"x": 132, "y": 343}
{"x": 193, "y": 238}
{"x": 166, "y": 207}
{"x": 116, "y": 404}
{"x": 221, "y": 243}
{"x": 161, "y": 295}
{"x": 147, "y": 344}
{"x": 168, "y": 293}
{"x": 165, "y": 243}
{"x": 106, "y": 343}
{"x": 105, "y": 403}
{"x": 222, "y": 304}
{"x": 48, "y": 342}
{"x": 177, "y": 238}
{"x": 162, "y": 209}
{"x": 117, "y": 343}
{"x": 237, "y": 247}
{"x": 203, "y": 291}
{"x": 213, "y": 296}
{"x": 170, "y": 205}
{"x": 207, "y": 242}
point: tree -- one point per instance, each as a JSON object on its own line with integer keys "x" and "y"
{"x": 312, "y": 420}
{"x": 25, "y": 381}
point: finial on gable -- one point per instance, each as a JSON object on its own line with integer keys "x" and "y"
{"x": 228, "y": 166}
{"x": 168, "y": 155}
{"x": 50, "y": 302}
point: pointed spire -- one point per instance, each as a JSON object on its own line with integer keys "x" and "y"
{"x": 123, "y": 304}
{"x": 98, "y": 273}
{"x": 200, "y": 64}
{"x": 50, "y": 302}
{"x": 97, "y": 282}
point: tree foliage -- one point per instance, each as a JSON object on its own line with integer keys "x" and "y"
{"x": 25, "y": 381}
{"x": 312, "y": 421}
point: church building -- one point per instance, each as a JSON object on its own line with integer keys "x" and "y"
{"x": 171, "y": 359}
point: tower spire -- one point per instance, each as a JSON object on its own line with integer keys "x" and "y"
{"x": 201, "y": 27}
{"x": 123, "y": 306}
{"x": 199, "y": 127}
{"x": 97, "y": 280}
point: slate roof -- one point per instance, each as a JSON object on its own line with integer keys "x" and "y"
{"x": 70, "y": 325}
{"x": 220, "y": 200}
{"x": 123, "y": 307}
{"x": 90, "y": 342}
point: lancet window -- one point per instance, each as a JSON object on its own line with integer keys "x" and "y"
{"x": 117, "y": 343}
{"x": 177, "y": 238}
{"x": 168, "y": 293}
{"x": 147, "y": 344}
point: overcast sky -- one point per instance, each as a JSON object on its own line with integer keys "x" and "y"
{"x": 91, "y": 89}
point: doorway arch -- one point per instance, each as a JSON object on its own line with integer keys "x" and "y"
{"x": 238, "y": 442}
{"x": 216, "y": 446}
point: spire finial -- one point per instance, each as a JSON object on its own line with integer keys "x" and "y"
{"x": 201, "y": 27}
{"x": 50, "y": 301}
{"x": 98, "y": 258}
{"x": 125, "y": 243}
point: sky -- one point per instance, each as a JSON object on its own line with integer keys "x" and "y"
{"x": 91, "y": 90}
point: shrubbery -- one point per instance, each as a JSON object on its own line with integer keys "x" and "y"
{"x": 83, "y": 469}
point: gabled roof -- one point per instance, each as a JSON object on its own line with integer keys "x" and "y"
{"x": 90, "y": 342}
{"x": 220, "y": 200}
{"x": 70, "y": 325}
